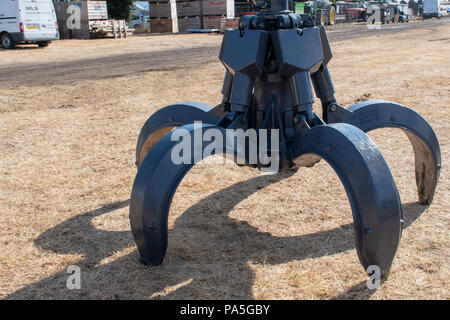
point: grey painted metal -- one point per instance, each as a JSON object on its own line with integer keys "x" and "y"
{"x": 306, "y": 45}
{"x": 369, "y": 185}
{"x": 154, "y": 186}
{"x": 279, "y": 5}
{"x": 376, "y": 114}
{"x": 167, "y": 118}
{"x": 272, "y": 62}
{"x": 355, "y": 158}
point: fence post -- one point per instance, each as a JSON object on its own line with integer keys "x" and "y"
{"x": 230, "y": 9}
{"x": 174, "y": 15}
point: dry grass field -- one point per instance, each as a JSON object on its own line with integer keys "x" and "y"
{"x": 69, "y": 119}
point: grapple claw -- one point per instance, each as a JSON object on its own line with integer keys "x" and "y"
{"x": 369, "y": 185}
{"x": 154, "y": 186}
{"x": 170, "y": 117}
{"x": 371, "y": 115}
{"x": 273, "y": 61}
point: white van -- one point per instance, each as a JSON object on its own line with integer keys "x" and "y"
{"x": 27, "y": 21}
{"x": 431, "y": 9}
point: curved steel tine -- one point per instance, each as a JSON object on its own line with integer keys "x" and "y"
{"x": 369, "y": 185}
{"x": 371, "y": 115}
{"x": 155, "y": 184}
{"x": 166, "y": 119}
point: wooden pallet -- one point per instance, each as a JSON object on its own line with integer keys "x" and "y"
{"x": 109, "y": 29}
{"x": 161, "y": 25}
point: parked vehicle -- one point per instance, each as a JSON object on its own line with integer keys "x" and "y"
{"x": 321, "y": 11}
{"x": 404, "y": 11}
{"x": 431, "y": 8}
{"x": 138, "y": 21}
{"x": 352, "y": 10}
{"x": 27, "y": 21}
{"x": 404, "y": 16}
{"x": 140, "y": 15}
{"x": 384, "y": 10}
{"x": 357, "y": 11}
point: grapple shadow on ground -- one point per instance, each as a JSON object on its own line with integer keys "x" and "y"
{"x": 207, "y": 258}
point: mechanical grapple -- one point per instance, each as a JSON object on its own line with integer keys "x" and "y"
{"x": 273, "y": 61}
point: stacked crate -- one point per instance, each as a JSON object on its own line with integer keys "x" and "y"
{"x": 203, "y": 14}
{"x": 163, "y": 25}
{"x": 189, "y": 15}
{"x": 213, "y": 12}
{"x": 160, "y": 16}
{"x": 160, "y": 9}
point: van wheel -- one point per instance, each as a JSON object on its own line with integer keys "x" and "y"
{"x": 7, "y": 41}
{"x": 43, "y": 44}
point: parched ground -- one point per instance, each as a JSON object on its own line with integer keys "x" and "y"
{"x": 69, "y": 119}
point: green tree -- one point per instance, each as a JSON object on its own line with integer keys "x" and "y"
{"x": 120, "y": 9}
